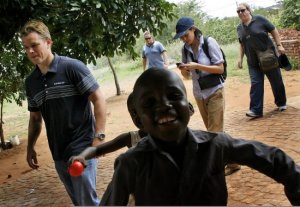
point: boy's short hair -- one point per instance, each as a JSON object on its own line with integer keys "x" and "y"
{"x": 35, "y": 26}
{"x": 149, "y": 74}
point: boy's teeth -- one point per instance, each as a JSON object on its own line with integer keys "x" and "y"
{"x": 164, "y": 120}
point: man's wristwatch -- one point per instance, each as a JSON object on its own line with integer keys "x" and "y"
{"x": 100, "y": 136}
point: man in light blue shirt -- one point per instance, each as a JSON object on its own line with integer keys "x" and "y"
{"x": 154, "y": 53}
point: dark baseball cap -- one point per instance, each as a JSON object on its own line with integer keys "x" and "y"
{"x": 182, "y": 26}
{"x": 284, "y": 62}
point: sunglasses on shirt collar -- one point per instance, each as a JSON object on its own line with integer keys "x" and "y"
{"x": 240, "y": 11}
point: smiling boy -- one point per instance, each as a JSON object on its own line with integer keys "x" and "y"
{"x": 174, "y": 165}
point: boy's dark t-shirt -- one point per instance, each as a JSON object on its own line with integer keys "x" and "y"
{"x": 148, "y": 173}
{"x": 176, "y": 151}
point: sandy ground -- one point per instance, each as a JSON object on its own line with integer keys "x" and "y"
{"x": 13, "y": 161}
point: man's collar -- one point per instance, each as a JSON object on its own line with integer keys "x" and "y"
{"x": 151, "y": 45}
{"x": 52, "y": 66}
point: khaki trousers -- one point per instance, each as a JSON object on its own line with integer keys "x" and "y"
{"x": 212, "y": 111}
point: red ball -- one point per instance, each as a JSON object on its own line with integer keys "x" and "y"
{"x": 76, "y": 168}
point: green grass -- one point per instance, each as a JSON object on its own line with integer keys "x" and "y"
{"x": 123, "y": 70}
{"x": 232, "y": 55}
{"x": 15, "y": 120}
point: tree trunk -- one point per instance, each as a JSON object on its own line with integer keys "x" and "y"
{"x": 1, "y": 125}
{"x": 115, "y": 77}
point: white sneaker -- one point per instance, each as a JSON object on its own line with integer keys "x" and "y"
{"x": 282, "y": 108}
{"x": 252, "y": 114}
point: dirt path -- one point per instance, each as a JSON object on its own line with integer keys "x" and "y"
{"x": 13, "y": 161}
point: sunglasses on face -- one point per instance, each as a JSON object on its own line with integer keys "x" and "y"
{"x": 147, "y": 38}
{"x": 241, "y": 11}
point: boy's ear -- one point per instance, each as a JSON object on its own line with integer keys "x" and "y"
{"x": 191, "y": 108}
{"x": 137, "y": 122}
{"x": 136, "y": 119}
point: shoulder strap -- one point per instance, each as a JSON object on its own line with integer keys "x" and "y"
{"x": 186, "y": 53}
{"x": 205, "y": 47}
{"x": 206, "y": 51}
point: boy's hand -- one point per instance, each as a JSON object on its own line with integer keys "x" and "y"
{"x": 78, "y": 158}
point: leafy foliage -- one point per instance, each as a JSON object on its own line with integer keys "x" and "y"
{"x": 14, "y": 14}
{"x": 82, "y": 29}
{"x": 224, "y": 31}
{"x": 12, "y": 72}
{"x": 88, "y": 29}
{"x": 11, "y": 78}
{"x": 104, "y": 28}
{"x": 290, "y": 16}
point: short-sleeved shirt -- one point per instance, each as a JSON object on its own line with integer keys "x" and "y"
{"x": 255, "y": 36}
{"x": 153, "y": 54}
{"x": 135, "y": 137}
{"x": 216, "y": 58}
{"x": 61, "y": 95}
{"x": 154, "y": 178}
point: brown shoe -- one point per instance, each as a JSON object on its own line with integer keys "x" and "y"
{"x": 229, "y": 169}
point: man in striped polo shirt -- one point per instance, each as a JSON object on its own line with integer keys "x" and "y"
{"x": 60, "y": 91}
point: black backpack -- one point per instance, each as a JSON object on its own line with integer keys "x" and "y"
{"x": 211, "y": 77}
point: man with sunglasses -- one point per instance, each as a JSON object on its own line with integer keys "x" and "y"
{"x": 253, "y": 33}
{"x": 154, "y": 53}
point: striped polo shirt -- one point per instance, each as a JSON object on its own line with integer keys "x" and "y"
{"x": 61, "y": 95}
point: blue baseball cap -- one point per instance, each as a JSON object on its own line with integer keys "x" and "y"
{"x": 182, "y": 26}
